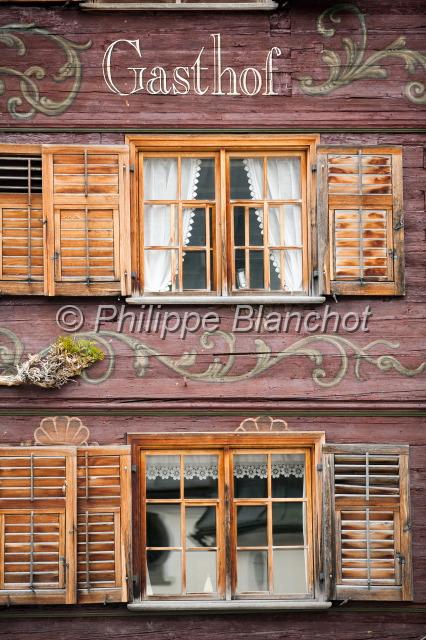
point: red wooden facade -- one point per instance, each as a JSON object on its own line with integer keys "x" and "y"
{"x": 371, "y": 384}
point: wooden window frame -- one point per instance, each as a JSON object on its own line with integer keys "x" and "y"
{"x": 175, "y": 5}
{"x": 229, "y": 443}
{"x": 223, "y": 147}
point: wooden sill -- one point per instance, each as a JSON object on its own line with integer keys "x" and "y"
{"x": 228, "y": 606}
{"x": 94, "y": 5}
{"x": 224, "y": 300}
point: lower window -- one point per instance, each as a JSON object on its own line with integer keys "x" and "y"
{"x": 226, "y": 523}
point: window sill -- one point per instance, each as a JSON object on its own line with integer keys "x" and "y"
{"x": 228, "y": 606}
{"x": 224, "y": 300}
{"x": 95, "y": 5}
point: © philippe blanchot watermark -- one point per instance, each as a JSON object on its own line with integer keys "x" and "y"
{"x": 154, "y": 319}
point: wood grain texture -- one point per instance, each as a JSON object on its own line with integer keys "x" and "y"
{"x": 246, "y": 39}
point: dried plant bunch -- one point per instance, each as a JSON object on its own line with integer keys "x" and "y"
{"x": 65, "y": 359}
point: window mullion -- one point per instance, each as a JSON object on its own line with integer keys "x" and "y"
{"x": 229, "y": 551}
{"x": 270, "y": 529}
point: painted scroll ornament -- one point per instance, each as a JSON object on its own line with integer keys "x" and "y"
{"x": 32, "y": 100}
{"x": 356, "y": 66}
{"x": 221, "y": 368}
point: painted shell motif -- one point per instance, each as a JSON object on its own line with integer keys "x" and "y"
{"x": 60, "y": 430}
{"x": 263, "y": 423}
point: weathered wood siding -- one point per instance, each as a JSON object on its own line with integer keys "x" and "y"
{"x": 147, "y": 394}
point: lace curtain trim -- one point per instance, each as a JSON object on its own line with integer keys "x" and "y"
{"x": 203, "y": 471}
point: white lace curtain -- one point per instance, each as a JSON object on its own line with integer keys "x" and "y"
{"x": 283, "y": 183}
{"x": 161, "y": 183}
{"x": 204, "y": 467}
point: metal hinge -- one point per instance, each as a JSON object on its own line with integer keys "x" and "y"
{"x": 134, "y": 468}
{"x": 313, "y": 168}
{"x": 399, "y": 225}
{"x": 131, "y": 168}
{"x": 400, "y": 558}
{"x": 392, "y": 254}
{"x": 320, "y": 467}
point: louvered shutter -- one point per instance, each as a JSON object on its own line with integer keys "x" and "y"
{"x": 37, "y": 521}
{"x": 88, "y": 238}
{"x": 21, "y": 221}
{"x": 368, "y": 524}
{"x": 103, "y": 524}
{"x": 360, "y": 221}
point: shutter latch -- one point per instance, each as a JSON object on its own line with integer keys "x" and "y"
{"x": 400, "y": 558}
{"x": 399, "y": 225}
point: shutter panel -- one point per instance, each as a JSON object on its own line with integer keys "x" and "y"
{"x": 368, "y": 522}
{"x": 103, "y": 524}
{"x": 88, "y": 220}
{"x": 21, "y": 221}
{"x": 37, "y": 520}
{"x": 360, "y": 201}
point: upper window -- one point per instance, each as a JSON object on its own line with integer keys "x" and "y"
{"x": 229, "y": 219}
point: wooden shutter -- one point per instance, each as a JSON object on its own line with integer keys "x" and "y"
{"x": 87, "y": 195}
{"x": 360, "y": 215}
{"x": 368, "y": 524}
{"x": 37, "y": 520}
{"x": 103, "y": 524}
{"x": 21, "y": 220}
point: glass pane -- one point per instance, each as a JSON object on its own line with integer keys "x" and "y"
{"x": 162, "y": 477}
{"x": 239, "y": 228}
{"x": 251, "y": 526}
{"x": 158, "y": 225}
{"x": 164, "y": 575}
{"x": 240, "y": 269}
{"x": 252, "y": 571}
{"x": 283, "y": 177}
{"x": 201, "y": 474}
{"x": 292, "y": 226}
{"x": 275, "y": 263}
{"x": 194, "y": 227}
{"x": 290, "y": 571}
{"x": 293, "y": 270}
{"x": 160, "y": 270}
{"x": 288, "y": 524}
{"x": 250, "y": 476}
{"x": 246, "y": 178}
{"x": 256, "y": 227}
{"x": 160, "y": 179}
{"x": 201, "y": 572}
{"x": 285, "y": 226}
{"x": 288, "y": 475}
{"x": 256, "y": 270}
{"x": 194, "y": 270}
{"x": 198, "y": 179}
{"x": 200, "y": 526}
{"x": 163, "y": 525}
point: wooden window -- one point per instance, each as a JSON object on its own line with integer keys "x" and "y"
{"x": 21, "y": 220}
{"x": 86, "y": 194}
{"x": 368, "y": 529}
{"x": 360, "y": 201}
{"x": 223, "y": 216}
{"x": 226, "y": 517}
{"x": 64, "y": 525}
